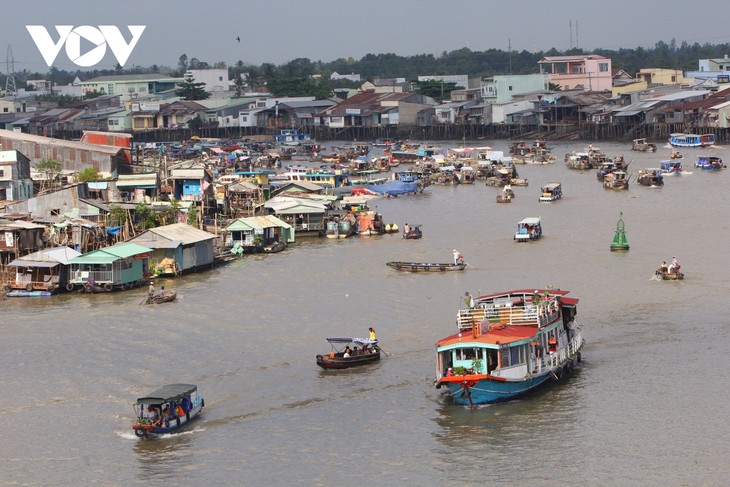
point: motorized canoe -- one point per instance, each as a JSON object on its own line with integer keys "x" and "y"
{"x": 342, "y": 357}
{"x": 166, "y": 409}
{"x": 425, "y": 266}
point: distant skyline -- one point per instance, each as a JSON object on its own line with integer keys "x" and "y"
{"x": 325, "y": 30}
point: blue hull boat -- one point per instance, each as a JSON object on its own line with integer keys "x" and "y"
{"x": 508, "y": 344}
{"x": 167, "y": 409}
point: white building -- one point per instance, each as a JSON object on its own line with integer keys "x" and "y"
{"x": 214, "y": 79}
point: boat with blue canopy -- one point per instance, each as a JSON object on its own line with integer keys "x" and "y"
{"x": 167, "y": 409}
{"x": 343, "y": 356}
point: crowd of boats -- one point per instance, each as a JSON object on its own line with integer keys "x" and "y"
{"x": 504, "y": 344}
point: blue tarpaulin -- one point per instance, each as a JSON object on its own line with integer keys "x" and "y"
{"x": 113, "y": 230}
{"x": 394, "y": 188}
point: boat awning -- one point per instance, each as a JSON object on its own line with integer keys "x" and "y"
{"x": 363, "y": 341}
{"x": 167, "y": 393}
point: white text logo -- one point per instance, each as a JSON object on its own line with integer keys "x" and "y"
{"x": 71, "y": 36}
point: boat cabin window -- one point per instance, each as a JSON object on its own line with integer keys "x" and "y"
{"x": 467, "y": 353}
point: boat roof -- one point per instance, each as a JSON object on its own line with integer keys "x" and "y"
{"x": 530, "y": 220}
{"x": 506, "y": 334}
{"x": 361, "y": 341}
{"x": 167, "y": 393}
{"x": 551, "y": 185}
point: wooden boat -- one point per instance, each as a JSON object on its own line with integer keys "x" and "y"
{"x": 616, "y": 180}
{"x": 425, "y": 266}
{"x": 691, "y": 140}
{"x": 551, "y": 192}
{"x": 669, "y": 274}
{"x": 650, "y": 177}
{"x": 709, "y": 163}
{"x": 167, "y": 409}
{"x": 508, "y": 344}
{"x": 529, "y": 228}
{"x": 619, "y": 237}
{"x": 164, "y": 296}
{"x": 643, "y": 146}
{"x": 504, "y": 198}
{"x": 27, "y": 294}
{"x": 413, "y": 233}
{"x": 341, "y": 357}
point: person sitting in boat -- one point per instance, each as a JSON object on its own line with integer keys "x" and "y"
{"x": 406, "y": 230}
{"x": 348, "y": 352}
{"x": 663, "y": 267}
{"x": 674, "y": 266}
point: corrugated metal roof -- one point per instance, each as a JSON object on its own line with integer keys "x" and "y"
{"x": 181, "y": 231}
{"x": 111, "y": 254}
{"x": 37, "y": 139}
{"x": 188, "y": 173}
{"x": 253, "y": 222}
{"x": 54, "y": 256}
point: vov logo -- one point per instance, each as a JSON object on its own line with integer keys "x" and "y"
{"x": 71, "y": 36}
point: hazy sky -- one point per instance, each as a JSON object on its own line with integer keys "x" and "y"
{"x": 278, "y": 31}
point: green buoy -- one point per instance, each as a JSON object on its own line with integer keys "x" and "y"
{"x": 619, "y": 238}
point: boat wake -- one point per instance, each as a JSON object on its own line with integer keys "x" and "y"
{"x": 654, "y": 277}
{"x": 129, "y": 435}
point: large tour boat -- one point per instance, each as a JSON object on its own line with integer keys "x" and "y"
{"x": 691, "y": 140}
{"x": 507, "y": 344}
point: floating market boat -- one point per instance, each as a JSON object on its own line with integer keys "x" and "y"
{"x": 529, "y": 228}
{"x": 619, "y": 237}
{"x": 164, "y": 296}
{"x": 650, "y": 177}
{"x": 342, "y": 357}
{"x": 167, "y": 409}
{"x": 509, "y": 343}
{"x": 709, "y": 163}
{"x": 425, "y": 266}
{"x": 551, "y": 192}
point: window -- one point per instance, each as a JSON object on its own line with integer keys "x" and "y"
{"x": 220, "y": 78}
{"x": 603, "y": 67}
{"x": 510, "y": 88}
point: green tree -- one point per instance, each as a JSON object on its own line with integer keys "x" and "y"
{"x": 89, "y": 174}
{"x": 182, "y": 63}
{"x": 196, "y": 123}
{"x": 145, "y": 217}
{"x": 51, "y": 170}
{"x": 436, "y": 89}
{"x": 190, "y": 90}
{"x": 193, "y": 216}
{"x": 171, "y": 213}
{"x": 118, "y": 216}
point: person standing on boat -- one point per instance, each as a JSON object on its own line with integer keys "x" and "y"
{"x": 674, "y": 265}
{"x": 151, "y": 290}
{"x": 458, "y": 258}
{"x": 468, "y": 299}
{"x": 372, "y": 334}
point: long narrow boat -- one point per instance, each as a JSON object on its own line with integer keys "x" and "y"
{"x": 425, "y": 266}
{"x": 167, "y": 409}
{"x": 342, "y": 357}
{"x": 508, "y": 344}
{"x": 164, "y": 296}
{"x": 691, "y": 140}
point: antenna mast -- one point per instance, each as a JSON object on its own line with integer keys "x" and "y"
{"x": 576, "y": 34}
{"x": 10, "y": 88}
{"x": 509, "y": 49}
{"x": 570, "y": 27}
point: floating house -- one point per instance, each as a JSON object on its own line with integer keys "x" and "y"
{"x": 256, "y": 232}
{"x": 307, "y": 217}
{"x": 45, "y": 270}
{"x": 177, "y": 248}
{"x": 119, "y": 267}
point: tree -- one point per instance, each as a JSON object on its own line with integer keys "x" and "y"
{"x": 51, "y": 170}
{"x": 89, "y": 174}
{"x": 436, "y": 89}
{"x": 190, "y": 90}
{"x": 195, "y": 123}
{"x": 182, "y": 63}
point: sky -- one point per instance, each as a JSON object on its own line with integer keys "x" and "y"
{"x": 278, "y": 31}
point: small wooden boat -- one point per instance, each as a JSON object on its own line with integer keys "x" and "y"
{"x": 643, "y": 146}
{"x": 425, "y": 266}
{"x": 650, "y": 177}
{"x": 162, "y": 297}
{"x": 413, "y": 233}
{"x": 167, "y": 409}
{"x": 669, "y": 274}
{"x": 342, "y": 357}
{"x": 502, "y": 198}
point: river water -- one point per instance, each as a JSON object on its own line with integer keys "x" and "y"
{"x": 648, "y": 406}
